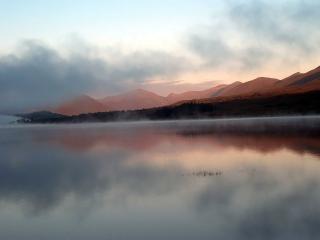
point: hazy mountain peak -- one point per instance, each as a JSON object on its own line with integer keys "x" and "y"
{"x": 83, "y": 97}
{"x": 79, "y": 105}
{"x": 171, "y": 95}
{"x": 235, "y": 83}
{"x": 264, "y": 79}
{"x": 141, "y": 91}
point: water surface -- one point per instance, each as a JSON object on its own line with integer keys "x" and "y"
{"x": 221, "y": 179}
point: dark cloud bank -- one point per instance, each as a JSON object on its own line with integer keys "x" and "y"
{"x": 39, "y": 75}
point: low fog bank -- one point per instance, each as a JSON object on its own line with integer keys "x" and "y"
{"x": 306, "y": 125}
{"x": 7, "y": 119}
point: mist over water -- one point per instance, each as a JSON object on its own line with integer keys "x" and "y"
{"x": 5, "y": 119}
{"x": 157, "y": 180}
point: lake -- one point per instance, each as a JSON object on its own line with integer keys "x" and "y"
{"x": 256, "y": 178}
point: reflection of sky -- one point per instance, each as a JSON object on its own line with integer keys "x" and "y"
{"x": 126, "y": 181}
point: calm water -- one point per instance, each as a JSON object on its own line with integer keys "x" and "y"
{"x": 146, "y": 180}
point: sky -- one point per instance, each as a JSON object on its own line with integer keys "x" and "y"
{"x": 54, "y": 50}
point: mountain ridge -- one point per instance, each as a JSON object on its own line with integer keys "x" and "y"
{"x": 143, "y": 99}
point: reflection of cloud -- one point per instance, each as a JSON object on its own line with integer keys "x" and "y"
{"x": 263, "y": 136}
{"x": 266, "y": 205}
{"x": 40, "y": 177}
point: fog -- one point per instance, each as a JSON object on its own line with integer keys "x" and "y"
{"x": 6, "y": 119}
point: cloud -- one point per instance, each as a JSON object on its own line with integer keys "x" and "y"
{"x": 37, "y": 75}
{"x": 251, "y": 34}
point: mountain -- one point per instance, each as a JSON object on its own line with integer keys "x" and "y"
{"x": 226, "y": 89}
{"x": 289, "y": 80}
{"x": 259, "y": 85}
{"x": 297, "y": 82}
{"x": 300, "y": 82}
{"x": 173, "y": 98}
{"x": 142, "y": 99}
{"x": 295, "y": 104}
{"x": 136, "y": 99}
{"x": 79, "y": 105}
{"x": 132, "y": 100}
{"x": 39, "y": 116}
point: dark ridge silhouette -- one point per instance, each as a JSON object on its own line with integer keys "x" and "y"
{"x": 40, "y": 116}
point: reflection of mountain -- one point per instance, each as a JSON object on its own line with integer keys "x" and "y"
{"x": 142, "y": 99}
{"x": 52, "y": 163}
{"x": 301, "y": 136}
{"x": 110, "y": 175}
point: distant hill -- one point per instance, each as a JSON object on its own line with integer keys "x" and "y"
{"x": 226, "y": 89}
{"x": 305, "y": 79}
{"x": 142, "y": 99}
{"x": 136, "y": 99}
{"x": 259, "y": 85}
{"x": 40, "y": 116}
{"x": 173, "y": 98}
{"x": 298, "y": 82}
{"x": 81, "y": 104}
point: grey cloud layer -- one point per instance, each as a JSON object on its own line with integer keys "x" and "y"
{"x": 266, "y": 30}
{"x": 40, "y": 76}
